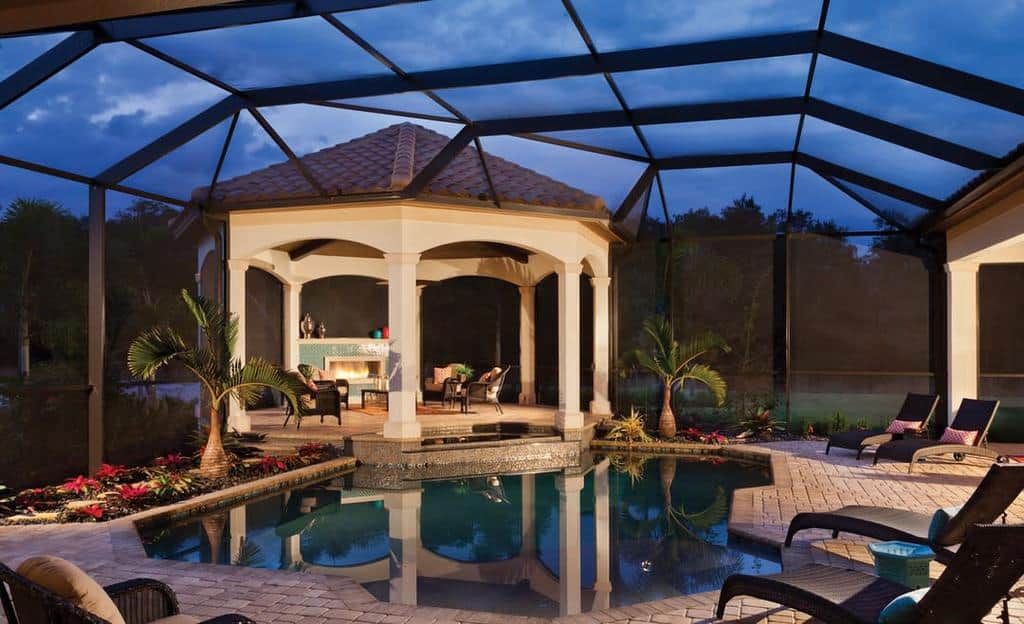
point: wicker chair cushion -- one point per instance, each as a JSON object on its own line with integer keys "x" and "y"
{"x": 903, "y": 609}
{"x": 440, "y": 374}
{"x": 67, "y": 581}
{"x": 177, "y": 619}
{"x": 939, "y": 521}
{"x": 958, "y": 436}
{"x": 901, "y": 426}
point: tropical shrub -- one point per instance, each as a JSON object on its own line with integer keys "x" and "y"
{"x": 761, "y": 425}
{"x": 630, "y": 429}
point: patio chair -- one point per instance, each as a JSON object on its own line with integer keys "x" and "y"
{"x": 988, "y": 564}
{"x": 320, "y": 397}
{"x": 435, "y": 389}
{"x": 974, "y": 416}
{"x": 487, "y": 389}
{"x": 996, "y": 492}
{"x": 917, "y": 408}
{"x": 50, "y": 589}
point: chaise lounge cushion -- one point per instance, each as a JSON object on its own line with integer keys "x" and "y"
{"x": 903, "y": 609}
{"x": 940, "y": 519}
{"x": 67, "y": 581}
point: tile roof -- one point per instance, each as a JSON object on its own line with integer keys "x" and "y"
{"x": 387, "y": 160}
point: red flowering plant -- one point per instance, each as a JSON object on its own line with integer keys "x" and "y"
{"x": 92, "y": 513}
{"x": 270, "y": 464}
{"x": 133, "y": 494}
{"x": 111, "y": 472}
{"x": 312, "y": 449}
{"x": 174, "y": 462}
{"x": 81, "y": 486}
{"x": 692, "y": 434}
{"x": 714, "y": 438}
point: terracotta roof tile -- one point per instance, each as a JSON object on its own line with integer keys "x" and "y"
{"x": 387, "y": 160}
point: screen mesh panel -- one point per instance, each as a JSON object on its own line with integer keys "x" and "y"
{"x": 1001, "y": 342}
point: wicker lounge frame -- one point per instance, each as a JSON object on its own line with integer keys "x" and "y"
{"x": 916, "y": 408}
{"x": 989, "y": 501}
{"x": 987, "y": 565}
{"x": 140, "y": 601}
{"x": 974, "y": 415}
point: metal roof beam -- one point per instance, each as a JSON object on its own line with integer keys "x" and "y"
{"x": 927, "y": 73}
{"x": 642, "y": 186}
{"x": 439, "y": 162}
{"x": 543, "y": 69}
{"x": 172, "y": 140}
{"x": 826, "y": 168}
{"x": 46, "y": 65}
{"x": 702, "y": 161}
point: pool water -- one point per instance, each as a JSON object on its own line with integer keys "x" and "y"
{"x": 636, "y": 530}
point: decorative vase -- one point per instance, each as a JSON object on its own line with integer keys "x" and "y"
{"x": 385, "y": 332}
{"x": 321, "y": 330}
{"x": 306, "y": 326}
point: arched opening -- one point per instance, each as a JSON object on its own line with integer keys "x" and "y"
{"x": 347, "y": 305}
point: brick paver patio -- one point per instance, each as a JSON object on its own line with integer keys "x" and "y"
{"x": 112, "y": 552}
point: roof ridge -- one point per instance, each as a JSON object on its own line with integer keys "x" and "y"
{"x": 405, "y": 156}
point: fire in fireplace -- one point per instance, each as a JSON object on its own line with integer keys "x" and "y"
{"x": 354, "y": 369}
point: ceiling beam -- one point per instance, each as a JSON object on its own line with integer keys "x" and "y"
{"x": 439, "y": 162}
{"x": 702, "y": 161}
{"x": 826, "y": 168}
{"x": 287, "y": 151}
{"x": 308, "y": 248}
{"x": 172, "y": 140}
{"x": 741, "y": 48}
{"x": 46, "y": 65}
{"x": 927, "y": 73}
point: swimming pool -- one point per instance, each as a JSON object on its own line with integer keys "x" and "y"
{"x": 638, "y": 530}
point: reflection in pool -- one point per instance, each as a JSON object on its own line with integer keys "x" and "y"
{"x": 639, "y": 530}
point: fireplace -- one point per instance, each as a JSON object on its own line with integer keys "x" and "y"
{"x": 357, "y": 369}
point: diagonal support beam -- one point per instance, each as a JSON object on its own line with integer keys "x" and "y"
{"x": 741, "y": 48}
{"x": 927, "y": 73}
{"x": 439, "y": 162}
{"x": 46, "y": 65}
{"x": 642, "y": 186}
{"x": 826, "y": 168}
{"x": 855, "y": 196}
{"x": 283, "y": 146}
{"x": 172, "y": 140}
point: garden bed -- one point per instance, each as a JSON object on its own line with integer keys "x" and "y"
{"x": 117, "y": 491}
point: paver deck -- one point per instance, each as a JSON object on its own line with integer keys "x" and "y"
{"x": 112, "y": 552}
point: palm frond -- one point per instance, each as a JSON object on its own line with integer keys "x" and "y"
{"x": 154, "y": 349}
{"x": 247, "y": 381}
{"x": 709, "y": 377}
{"x": 701, "y": 344}
{"x": 707, "y": 518}
{"x": 219, "y": 328}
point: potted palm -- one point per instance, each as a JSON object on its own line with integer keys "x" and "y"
{"x": 675, "y": 363}
{"x": 221, "y": 375}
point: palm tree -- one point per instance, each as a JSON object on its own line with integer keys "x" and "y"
{"x": 674, "y": 364}
{"x": 223, "y": 376}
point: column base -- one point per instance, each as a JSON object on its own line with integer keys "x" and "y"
{"x": 402, "y": 430}
{"x": 600, "y": 407}
{"x": 567, "y": 421}
{"x": 527, "y": 398}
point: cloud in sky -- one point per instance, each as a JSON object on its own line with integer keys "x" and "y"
{"x": 156, "y": 103}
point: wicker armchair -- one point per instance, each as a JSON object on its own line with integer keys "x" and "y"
{"x": 488, "y": 389}
{"x": 140, "y": 601}
{"x": 326, "y": 400}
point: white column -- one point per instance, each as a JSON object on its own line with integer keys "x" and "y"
{"x": 528, "y": 528}
{"x": 238, "y": 418}
{"x": 292, "y": 316}
{"x": 962, "y": 321}
{"x": 603, "y": 537}
{"x": 602, "y": 359}
{"x": 404, "y": 352}
{"x": 292, "y": 550}
{"x": 569, "y": 416}
{"x": 569, "y": 576}
{"x": 404, "y": 538}
{"x": 527, "y": 345}
{"x": 236, "y": 528}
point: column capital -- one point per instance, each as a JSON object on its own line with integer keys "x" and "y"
{"x": 401, "y": 258}
{"x": 569, "y": 268}
{"x": 600, "y": 282}
{"x": 962, "y": 267}
{"x": 527, "y": 289}
{"x": 237, "y": 264}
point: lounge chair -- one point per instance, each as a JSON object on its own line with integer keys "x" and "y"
{"x": 983, "y": 572}
{"x": 316, "y": 397}
{"x": 488, "y": 388}
{"x": 974, "y": 415}
{"x": 50, "y": 589}
{"x": 917, "y": 408}
{"x": 435, "y": 387}
{"x": 990, "y": 499}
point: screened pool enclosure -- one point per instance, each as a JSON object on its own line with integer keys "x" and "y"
{"x": 786, "y": 174}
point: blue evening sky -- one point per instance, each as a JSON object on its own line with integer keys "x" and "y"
{"x": 117, "y": 98}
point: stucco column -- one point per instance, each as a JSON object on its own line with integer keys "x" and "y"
{"x": 404, "y": 358}
{"x": 238, "y": 418}
{"x": 527, "y": 345}
{"x": 292, "y": 555}
{"x": 962, "y": 321}
{"x": 569, "y": 548}
{"x": 404, "y": 539}
{"x": 603, "y": 537}
{"x": 569, "y": 416}
{"x": 292, "y": 316}
{"x": 602, "y": 359}
{"x": 528, "y": 526}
